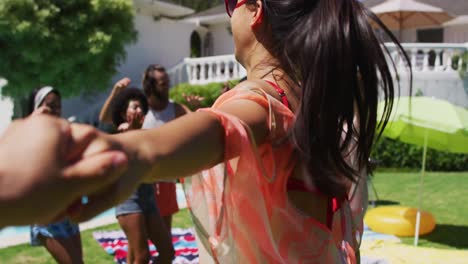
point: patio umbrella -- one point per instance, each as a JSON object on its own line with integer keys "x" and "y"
{"x": 458, "y": 21}
{"x": 406, "y": 14}
{"x": 428, "y": 122}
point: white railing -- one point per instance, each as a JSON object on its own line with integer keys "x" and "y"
{"x": 207, "y": 70}
{"x": 429, "y": 57}
{"x": 178, "y": 73}
{"x": 425, "y": 58}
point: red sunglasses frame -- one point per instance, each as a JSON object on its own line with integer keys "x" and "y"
{"x": 238, "y": 4}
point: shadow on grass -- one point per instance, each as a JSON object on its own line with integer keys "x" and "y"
{"x": 450, "y": 235}
{"x": 383, "y": 203}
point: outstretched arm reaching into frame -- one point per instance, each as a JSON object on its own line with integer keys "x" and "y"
{"x": 42, "y": 174}
{"x": 178, "y": 149}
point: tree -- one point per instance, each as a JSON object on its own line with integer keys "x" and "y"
{"x": 73, "y": 45}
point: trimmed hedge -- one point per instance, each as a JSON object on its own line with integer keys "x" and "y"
{"x": 395, "y": 154}
{"x": 390, "y": 153}
{"x": 210, "y": 92}
{"x": 464, "y": 65}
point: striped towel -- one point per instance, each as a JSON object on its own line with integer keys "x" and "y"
{"x": 115, "y": 244}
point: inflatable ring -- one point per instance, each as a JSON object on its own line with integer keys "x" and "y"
{"x": 398, "y": 220}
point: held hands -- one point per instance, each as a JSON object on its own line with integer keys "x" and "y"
{"x": 42, "y": 175}
{"x": 42, "y": 110}
{"x": 123, "y": 184}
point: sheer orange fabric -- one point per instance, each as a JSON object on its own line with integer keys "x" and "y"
{"x": 241, "y": 209}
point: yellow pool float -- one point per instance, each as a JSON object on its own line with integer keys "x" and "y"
{"x": 398, "y": 220}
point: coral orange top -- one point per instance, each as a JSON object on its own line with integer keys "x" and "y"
{"x": 241, "y": 209}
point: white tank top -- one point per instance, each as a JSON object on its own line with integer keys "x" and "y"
{"x": 154, "y": 119}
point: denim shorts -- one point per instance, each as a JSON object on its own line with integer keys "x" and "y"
{"x": 142, "y": 201}
{"x": 63, "y": 229}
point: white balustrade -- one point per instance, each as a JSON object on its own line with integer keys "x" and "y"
{"x": 178, "y": 73}
{"x": 213, "y": 69}
{"x": 424, "y": 58}
{"x": 429, "y": 57}
{"x": 207, "y": 70}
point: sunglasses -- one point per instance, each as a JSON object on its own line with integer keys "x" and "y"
{"x": 232, "y": 5}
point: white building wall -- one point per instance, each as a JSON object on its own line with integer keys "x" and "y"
{"x": 442, "y": 85}
{"x": 162, "y": 42}
{"x": 6, "y": 108}
{"x": 222, "y": 39}
{"x": 168, "y": 43}
{"x": 452, "y": 34}
{"x": 408, "y": 35}
{"x": 456, "y": 34}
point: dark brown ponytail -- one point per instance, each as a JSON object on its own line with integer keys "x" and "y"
{"x": 330, "y": 50}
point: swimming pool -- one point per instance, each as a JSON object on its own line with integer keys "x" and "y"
{"x": 16, "y": 235}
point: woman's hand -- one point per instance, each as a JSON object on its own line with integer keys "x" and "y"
{"x": 122, "y": 84}
{"x": 135, "y": 118}
{"x": 42, "y": 172}
{"x": 123, "y": 186}
{"x": 193, "y": 101}
{"x": 135, "y": 121}
{"x": 124, "y": 127}
{"x": 42, "y": 110}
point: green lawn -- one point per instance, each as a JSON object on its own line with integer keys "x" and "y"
{"x": 93, "y": 253}
{"x": 443, "y": 197}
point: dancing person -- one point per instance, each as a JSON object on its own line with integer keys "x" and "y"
{"x": 156, "y": 85}
{"x": 61, "y": 239}
{"x": 161, "y": 110}
{"x": 285, "y": 153}
{"x": 138, "y": 216}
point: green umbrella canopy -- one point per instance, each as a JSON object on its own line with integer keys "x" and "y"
{"x": 428, "y": 122}
{"x": 414, "y": 118}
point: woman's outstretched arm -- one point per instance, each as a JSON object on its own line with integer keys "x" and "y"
{"x": 178, "y": 149}
{"x": 39, "y": 175}
{"x": 191, "y": 143}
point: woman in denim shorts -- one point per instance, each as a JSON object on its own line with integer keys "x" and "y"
{"x": 138, "y": 216}
{"x": 61, "y": 239}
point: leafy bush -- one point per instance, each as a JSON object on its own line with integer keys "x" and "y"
{"x": 464, "y": 65}
{"x": 395, "y": 154}
{"x": 210, "y": 92}
{"x": 390, "y": 153}
{"x": 75, "y": 46}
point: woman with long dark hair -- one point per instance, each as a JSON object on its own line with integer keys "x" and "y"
{"x": 293, "y": 141}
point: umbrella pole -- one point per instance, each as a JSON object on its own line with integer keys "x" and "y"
{"x": 400, "y": 22}
{"x": 421, "y": 184}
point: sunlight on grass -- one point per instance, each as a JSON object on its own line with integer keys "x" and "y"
{"x": 444, "y": 196}
{"x": 93, "y": 253}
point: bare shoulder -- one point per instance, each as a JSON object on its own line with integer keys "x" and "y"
{"x": 252, "y": 107}
{"x": 251, "y": 84}
{"x": 258, "y": 84}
